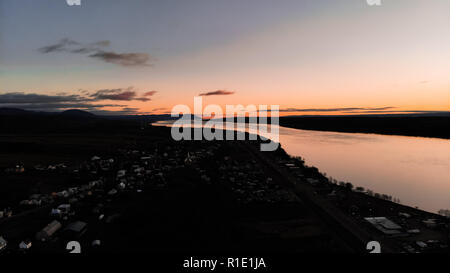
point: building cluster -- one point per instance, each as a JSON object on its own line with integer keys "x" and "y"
{"x": 71, "y": 211}
{"x": 250, "y": 184}
{"x": 129, "y": 171}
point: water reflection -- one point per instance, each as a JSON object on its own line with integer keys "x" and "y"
{"x": 414, "y": 169}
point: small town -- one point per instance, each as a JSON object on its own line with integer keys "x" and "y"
{"x": 245, "y": 197}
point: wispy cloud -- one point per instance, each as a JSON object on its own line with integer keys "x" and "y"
{"x": 50, "y": 107}
{"x": 127, "y": 94}
{"x": 114, "y": 94}
{"x": 150, "y": 93}
{"x": 20, "y": 97}
{"x": 123, "y": 59}
{"x": 129, "y": 110}
{"x": 398, "y": 112}
{"x": 97, "y": 50}
{"x": 33, "y": 101}
{"x": 62, "y": 45}
{"x": 217, "y": 93}
{"x": 347, "y": 109}
{"x": 358, "y": 110}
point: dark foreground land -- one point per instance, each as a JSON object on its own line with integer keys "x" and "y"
{"x": 174, "y": 196}
{"x": 138, "y": 191}
{"x": 422, "y": 126}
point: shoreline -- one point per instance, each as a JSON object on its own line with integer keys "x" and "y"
{"x": 365, "y": 133}
{"x": 368, "y": 189}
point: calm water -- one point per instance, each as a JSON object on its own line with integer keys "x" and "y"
{"x": 414, "y": 169}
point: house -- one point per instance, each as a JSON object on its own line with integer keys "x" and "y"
{"x": 121, "y": 186}
{"x": 35, "y": 202}
{"x": 121, "y": 173}
{"x": 19, "y": 168}
{"x": 313, "y": 181}
{"x": 385, "y": 225}
{"x": 75, "y": 229}
{"x": 96, "y": 243}
{"x": 64, "y": 194}
{"x": 26, "y": 244}
{"x": 112, "y": 218}
{"x": 404, "y": 214}
{"x": 112, "y": 192}
{"x": 56, "y": 213}
{"x": 72, "y": 191}
{"x": 413, "y": 231}
{"x": 48, "y": 231}
{"x": 430, "y": 223}
{"x": 421, "y": 244}
{"x": 7, "y": 213}
{"x": 3, "y": 243}
{"x": 64, "y": 208}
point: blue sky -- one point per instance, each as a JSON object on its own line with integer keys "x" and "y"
{"x": 310, "y": 53}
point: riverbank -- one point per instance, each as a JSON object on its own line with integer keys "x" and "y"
{"x": 358, "y": 215}
{"x": 395, "y": 165}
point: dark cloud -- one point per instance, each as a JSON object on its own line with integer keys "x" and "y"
{"x": 42, "y": 102}
{"x": 63, "y": 101}
{"x": 114, "y": 95}
{"x": 62, "y": 45}
{"x": 19, "y": 97}
{"x": 96, "y": 50}
{"x": 53, "y": 107}
{"x": 123, "y": 59}
{"x": 150, "y": 93}
{"x": 143, "y": 99}
{"x": 217, "y": 93}
{"x": 129, "y": 110}
{"x": 67, "y": 45}
{"x": 118, "y": 94}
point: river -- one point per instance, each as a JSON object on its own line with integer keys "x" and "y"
{"x": 414, "y": 169}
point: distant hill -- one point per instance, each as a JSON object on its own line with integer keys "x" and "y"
{"x": 76, "y": 113}
{"x": 13, "y": 111}
{"x": 70, "y": 121}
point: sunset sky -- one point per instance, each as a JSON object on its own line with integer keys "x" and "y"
{"x": 308, "y": 56}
